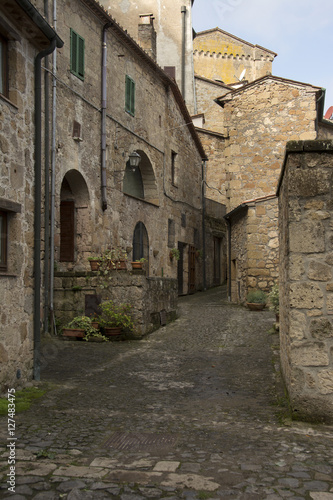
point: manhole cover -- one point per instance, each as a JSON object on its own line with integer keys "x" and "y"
{"x": 139, "y": 441}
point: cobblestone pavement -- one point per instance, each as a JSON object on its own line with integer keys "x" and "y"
{"x": 194, "y": 411}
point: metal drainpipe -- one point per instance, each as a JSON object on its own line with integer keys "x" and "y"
{"x": 53, "y": 162}
{"x": 183, "y": 11}
{"x": 203, "y": 225}
{"x": 103, "y": 124}
{"x": 47, "y": 186}
{"x": 38, "y": 203}
{"x": 229, "y": 258}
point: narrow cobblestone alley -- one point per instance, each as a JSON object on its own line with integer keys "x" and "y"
{"x": 194, "y": 411}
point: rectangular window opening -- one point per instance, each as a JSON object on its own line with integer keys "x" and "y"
{"x": 77, "y": 55}
{"x": 130, "y": 95}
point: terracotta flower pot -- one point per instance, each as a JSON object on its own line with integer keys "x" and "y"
{"x": 94, "y": 265}
{"x": 72, "y": 332}
{"x": 254, "y": 306}
{"x": 136, "y": 265}
{"x": 110, "y": 331}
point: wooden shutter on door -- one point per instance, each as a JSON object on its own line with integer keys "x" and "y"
{"x": 67, "y": 231}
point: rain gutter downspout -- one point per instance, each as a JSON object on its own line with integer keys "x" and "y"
{"x": 183, "y": 11}
{"x": 229, "y": 258}
{"x": 38, "y": 202}
{"x": 204, "y": 225}
{"x": 53, "y": 166}
{"x": 103, "y": 124}
{"x": 320, "y": 109}
{"x": 47, "y": 187}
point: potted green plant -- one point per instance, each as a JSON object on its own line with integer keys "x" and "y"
{"x": 95, "y": 262}
{"x": 79, "y": 327}
{"x": 174, "y": 254}
{"x": 115, "y": 319}
{"x": 274, "y": 301}
{"x": 114, "y": 258}
{"x": 138, "y": 264}
{"x": 256, "y": 300}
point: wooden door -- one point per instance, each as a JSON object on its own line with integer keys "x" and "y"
{"x": 67, "y": 231}
{"x": 191, "y": 269}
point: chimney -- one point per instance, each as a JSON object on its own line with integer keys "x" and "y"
{"x": 147, "y": 34}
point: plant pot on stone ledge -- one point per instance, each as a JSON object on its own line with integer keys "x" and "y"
{"x": 256, "y": 300}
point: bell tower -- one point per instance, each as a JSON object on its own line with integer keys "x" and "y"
{"x": 171, "y": 20}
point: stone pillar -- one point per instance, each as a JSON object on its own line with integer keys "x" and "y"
{"x": 306, "y": 278}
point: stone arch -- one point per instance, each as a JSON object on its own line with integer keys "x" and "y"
{"x": 141, "y": 183}
{"x": 74, "y": 215}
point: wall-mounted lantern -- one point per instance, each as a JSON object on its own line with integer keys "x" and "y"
{"x": 134, "y": 159}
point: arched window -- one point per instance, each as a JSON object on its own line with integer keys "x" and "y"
{"x": 140, "y": 242}
{"x": 133, "y": 183}
{"x": 141, "y": 183}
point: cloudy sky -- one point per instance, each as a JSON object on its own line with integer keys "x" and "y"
{"x": 299, "y": 31}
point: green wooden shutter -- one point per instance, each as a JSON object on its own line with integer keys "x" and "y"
{"x": 73, "y": 52}
{"x": 77, "y": 55}
{"x": 80, "y": 57}
{"x": 130, "y": 95}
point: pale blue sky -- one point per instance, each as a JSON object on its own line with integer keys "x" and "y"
{"x": 299, "y": 31}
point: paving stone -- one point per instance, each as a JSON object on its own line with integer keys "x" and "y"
{"x": 166, "y": 466}
{"x": 70, "y": 485}
{"x": 47, "y": 495}
{"x": 216, "y": 405}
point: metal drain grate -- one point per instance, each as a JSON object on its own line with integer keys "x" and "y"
{"x": 140, "y": 441}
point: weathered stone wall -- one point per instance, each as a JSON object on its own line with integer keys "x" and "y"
{"x": 149, "y": 297}
{"x": 254, "y": 243}
{"x": 17, "y": 195}
{"x": 222, "y": 56}
{"x": 156, "y": 130}
{"x": 260, "y": 119}
{"x": 216, "y": 175}
{"x": 168, "y": 25}
{"x": 306, "y": 278}
{"x": 206, "y": 93}
{"x": 238, "y": 271}
{"x": 262, "y": 244}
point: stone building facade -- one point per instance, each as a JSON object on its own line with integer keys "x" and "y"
{"x": 99, "y": 201}
{"x": 306, "y": 287}
{"x": 257, "y": 120}
{"x": 223, "y": 57}
{"x": 170, "y": 23}
{"x": 23, "y": 35}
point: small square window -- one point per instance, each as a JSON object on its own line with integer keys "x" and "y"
{"x": 129, "y": 95}
{"x": 77, "y": 55}
{"x": 3, "y": 241}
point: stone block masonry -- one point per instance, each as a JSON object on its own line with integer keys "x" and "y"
{"x": 151, "y": 298}
{"x": 306, "y": 277}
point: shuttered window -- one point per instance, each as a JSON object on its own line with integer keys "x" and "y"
{"x": 77, "y": 55}
{"x": 130, "y": 95}
{"x": 67, "y": 231}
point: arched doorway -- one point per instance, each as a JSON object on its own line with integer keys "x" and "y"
{"x": 74, "y": 215}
